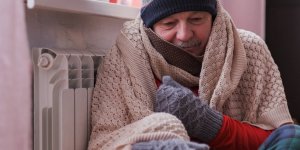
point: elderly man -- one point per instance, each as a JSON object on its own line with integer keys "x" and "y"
{"x": 181, "y": 74}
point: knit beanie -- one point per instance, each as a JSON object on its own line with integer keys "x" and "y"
{"x": 156, "y": 10}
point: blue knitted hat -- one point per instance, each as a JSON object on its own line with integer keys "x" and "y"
{"x": 156, "y": 10}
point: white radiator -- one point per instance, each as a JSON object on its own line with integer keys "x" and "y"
{"x": 63, "y": 84}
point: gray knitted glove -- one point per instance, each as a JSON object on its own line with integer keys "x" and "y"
{"x": 199, "y": 119}
{"x": 172, "y": 144}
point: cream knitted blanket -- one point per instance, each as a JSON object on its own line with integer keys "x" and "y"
{"x": 238, "y": 78}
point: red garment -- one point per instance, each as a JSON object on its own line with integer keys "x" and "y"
{"x": 235, "y": 135}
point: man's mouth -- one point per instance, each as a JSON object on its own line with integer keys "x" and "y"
{"x": 189, "y": 45}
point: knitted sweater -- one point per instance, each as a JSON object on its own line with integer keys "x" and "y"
{"x": 238, "y": 78}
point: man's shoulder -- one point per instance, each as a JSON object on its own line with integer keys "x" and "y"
{"x": 251, "y": 38}
{"x": 253, "y": 43}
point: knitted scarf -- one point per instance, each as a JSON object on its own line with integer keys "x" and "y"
{"x": 238, "y": 78}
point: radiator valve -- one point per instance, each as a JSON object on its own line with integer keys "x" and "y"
{"x": 45, "y": 61}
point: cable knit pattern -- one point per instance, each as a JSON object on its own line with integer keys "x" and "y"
{"x": 238, "y": 78}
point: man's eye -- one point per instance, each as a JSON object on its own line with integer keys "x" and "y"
{"x": 196, "y": 20}
{"x": 168, "y": 23}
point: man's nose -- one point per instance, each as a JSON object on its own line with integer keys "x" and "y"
{"x": 184, "y": 32}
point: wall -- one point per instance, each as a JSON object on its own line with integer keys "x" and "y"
{"x": 249, "y": 15}
{"x": 54, "y": 29}
{"x": 15, "y": 79}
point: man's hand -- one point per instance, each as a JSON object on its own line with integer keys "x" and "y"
{"x": 172, "y": 144}
{"x": 199, "y": 119}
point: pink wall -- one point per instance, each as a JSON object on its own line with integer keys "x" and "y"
{"x": 15, "y": 78}
{"x": 247, "y": 14}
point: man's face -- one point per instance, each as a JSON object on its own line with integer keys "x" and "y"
{"x": 188, "y": 30}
